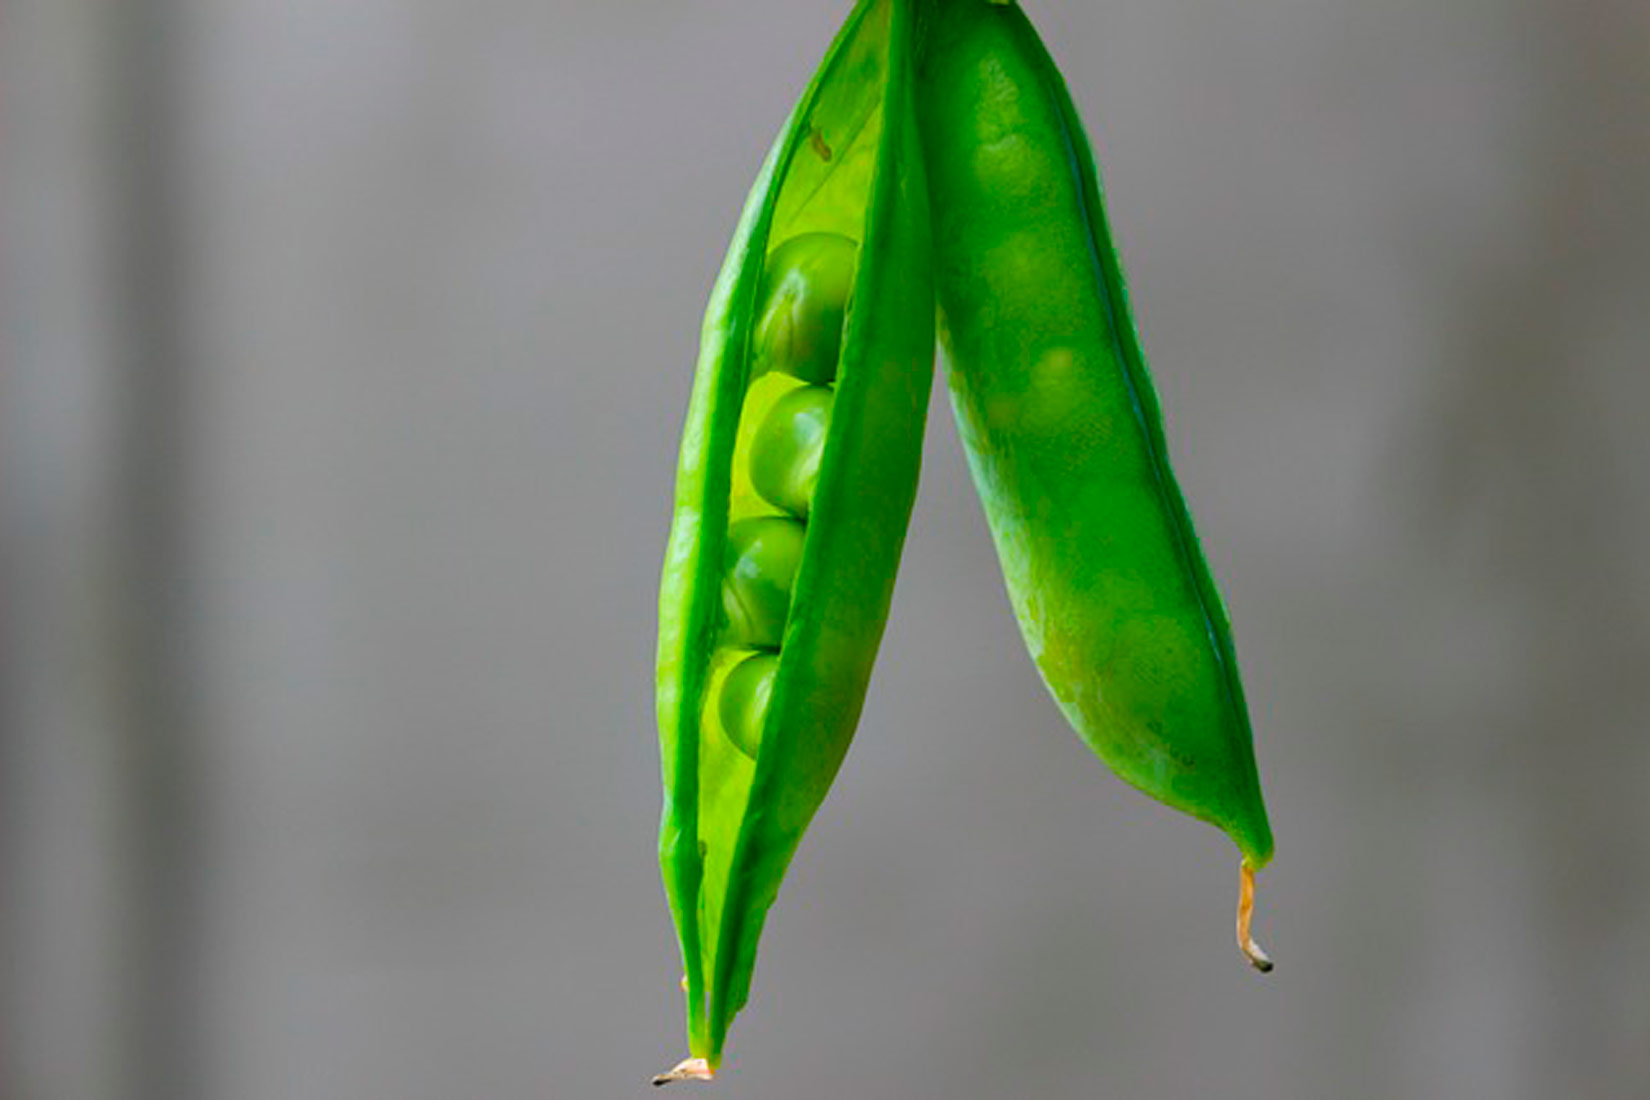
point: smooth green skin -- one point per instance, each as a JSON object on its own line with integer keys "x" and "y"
{"x": 763, "y": 557}
{"x": 805, "y": 297}
{"x": 788, "y": 447}
{"x": 725, "y": 840}
{"x": 743, "y": 704}
{"x": 1063, "y": 431}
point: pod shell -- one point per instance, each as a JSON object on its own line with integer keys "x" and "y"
{"x": 856, "y": 527}
{"x": 1063, "y": 429}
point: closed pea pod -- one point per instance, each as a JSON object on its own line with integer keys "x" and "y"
{"x": 797, "y": 473}
{"x": 1064, "y": 435}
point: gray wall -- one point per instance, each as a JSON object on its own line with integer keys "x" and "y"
{"x": 345, "y": 347}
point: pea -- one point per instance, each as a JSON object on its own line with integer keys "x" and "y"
{"x": 787, "y": 447}
{"x": 763, "y": 555}
{"x": 805, "y": 295}
{"x": 743, "y": 706}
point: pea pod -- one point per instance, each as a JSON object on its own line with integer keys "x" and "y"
{"x": 1064, "y": 434}
{"x": 794, "y": 488}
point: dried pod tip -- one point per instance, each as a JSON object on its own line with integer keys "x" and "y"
{"x": 1245, "y": 914}
{"x": 689, "y": 1069}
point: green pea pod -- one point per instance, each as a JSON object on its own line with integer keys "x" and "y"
{"x": 798, "y": 470}
{"x": 1064, "y": 434}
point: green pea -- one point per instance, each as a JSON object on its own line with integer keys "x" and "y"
{"x": 763, "y": 555}
{"x": 743, "y": 706}
{"x": 787, "y": 447}
{"x": 806, "y": 288}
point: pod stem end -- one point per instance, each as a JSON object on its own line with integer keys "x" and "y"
{"x": 688, "y": 1069}
{"x": 1245, "y": 916}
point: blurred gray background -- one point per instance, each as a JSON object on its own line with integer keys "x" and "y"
{"x": 345, "y": 350}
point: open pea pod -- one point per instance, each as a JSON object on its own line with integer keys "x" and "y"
{"x": 1064, "y": 433}
{"x": 797, "y": 475}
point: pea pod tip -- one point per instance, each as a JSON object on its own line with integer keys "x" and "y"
{"x": 688, "y": 1069}
{"x": 1258, "y": 958}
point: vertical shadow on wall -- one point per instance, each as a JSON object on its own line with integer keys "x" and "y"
{"x": 161, "y": 800}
